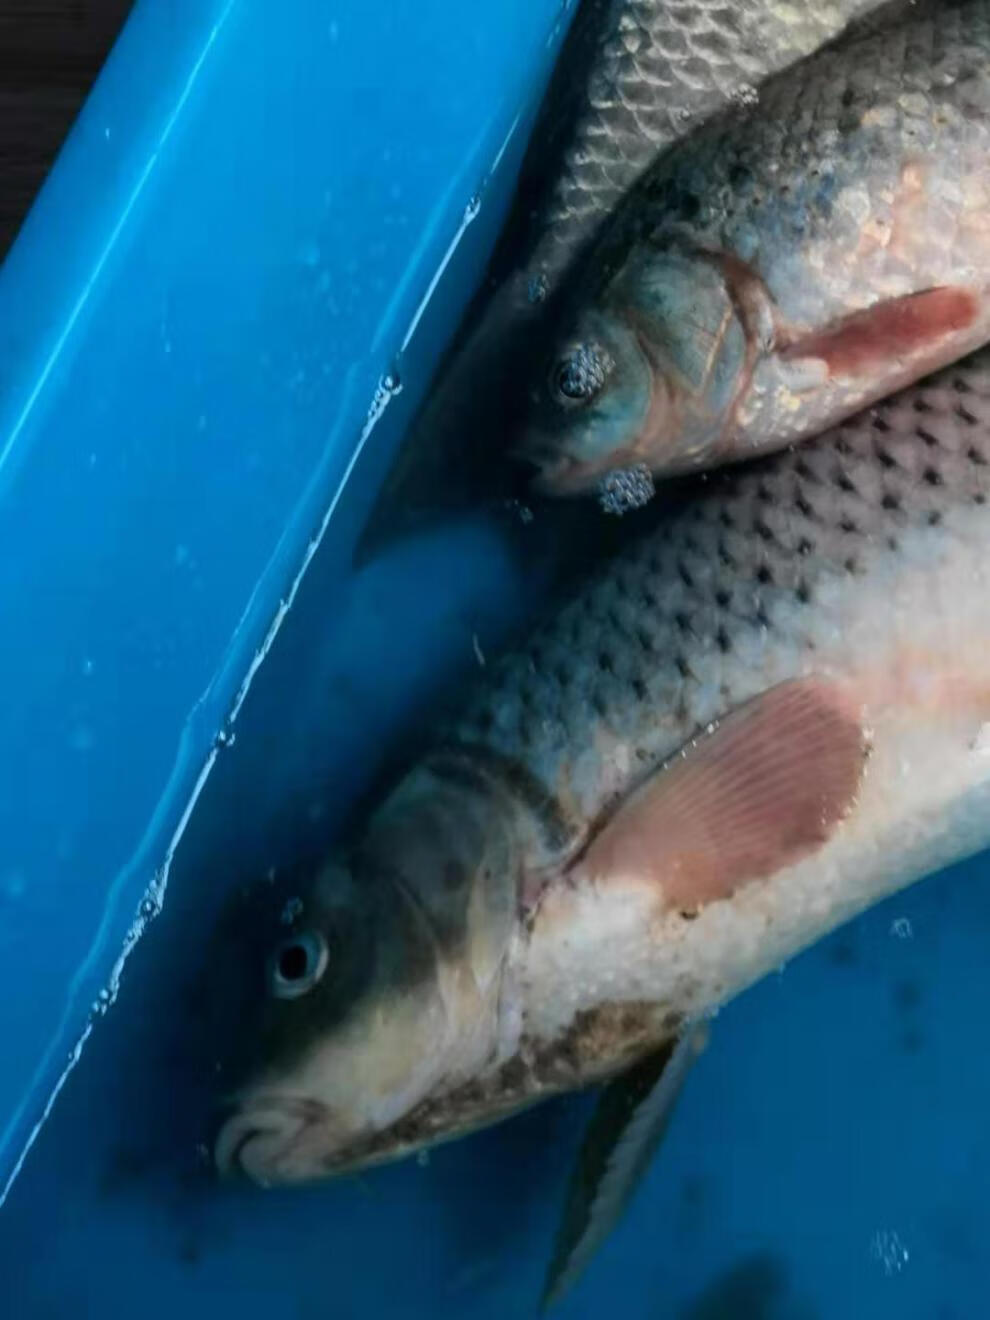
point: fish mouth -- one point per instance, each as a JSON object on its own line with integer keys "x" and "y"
{"x": 552, "y": 473}
{"x": 267, "y": 1141}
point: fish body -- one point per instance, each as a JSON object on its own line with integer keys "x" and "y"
{"x": 770, "y": 711}
{"x": 638, "y": 75}
{"x": 634, "y": 77}
{"x": 786, "y": 264}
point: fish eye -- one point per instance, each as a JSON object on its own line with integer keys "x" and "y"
{"x": 581, "y": 374}
{"x": 297, "y": 964}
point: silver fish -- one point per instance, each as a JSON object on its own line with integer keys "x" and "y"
{"x": 655, "y": 69}
{"x": 634, "y": 77}
{"x": 787, "y": 264}
{"x": 767, "y": 713}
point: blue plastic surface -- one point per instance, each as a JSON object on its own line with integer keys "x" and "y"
{"x": 234, "y": 252}
{"x": 232, "y": 255}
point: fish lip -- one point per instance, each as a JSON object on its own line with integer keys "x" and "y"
{"x": 552, "y": 474}
{"x": 284, "y": 1120}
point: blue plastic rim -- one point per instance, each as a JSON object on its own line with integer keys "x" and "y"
{"x": 240, "y": 252}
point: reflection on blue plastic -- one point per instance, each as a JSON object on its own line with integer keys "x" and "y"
{"x": 210, "y": 309}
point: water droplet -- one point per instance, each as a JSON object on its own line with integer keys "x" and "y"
{"x": 392, "y": 381}
{"x": 423, "y": 1158}
{"x": 472, "y": 209}
{"x": 292, "y": 910}
{"x": 87, "y": 667}
{"x": 538, "y": 288}
{"x": 226, "y": 738}
{"x": 901, "y": 928}
{"x": 519, "y": 510}
{"x": 890, "y": 1253}
{"x": 181, "y": 555}
{"x": 745, "y": 94}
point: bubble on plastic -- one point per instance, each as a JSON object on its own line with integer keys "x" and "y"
{"x": 150, "y": 907}
{"x": 890, "y": 1253}
{"x": 745, "y": 94}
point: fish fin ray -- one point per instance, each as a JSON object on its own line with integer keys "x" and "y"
{"x": 765, "y": 786}
{"x": 915, "y": 327}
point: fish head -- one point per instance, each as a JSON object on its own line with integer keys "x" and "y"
{"x": 649, "y": 373}
{"x": 374, "y": 994}
{"x": 595, "y": 396}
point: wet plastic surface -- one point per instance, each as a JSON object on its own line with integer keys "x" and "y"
{"x": 829, "y": 1159}
{"x": 233, "y": 253}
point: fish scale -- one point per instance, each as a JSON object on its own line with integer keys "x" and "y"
{"x": 662, "y": 67}
{"x": 686, "y": 616}
{"x": 788, "y": 151}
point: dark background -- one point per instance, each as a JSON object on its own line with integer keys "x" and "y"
{"x": 50, "y": 52}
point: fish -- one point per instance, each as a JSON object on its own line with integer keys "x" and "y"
{"x": 769, "y": 710}
{"x": 633, "y": 77}
{"x": 785, "y": 265}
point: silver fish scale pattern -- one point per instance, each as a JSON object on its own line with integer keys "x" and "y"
{"x": 663, "y": 66}
{"x": 732, "y": 594}
{"x": 814, "y": 186}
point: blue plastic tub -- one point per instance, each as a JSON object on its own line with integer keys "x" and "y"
{"x": 215, "y": 325}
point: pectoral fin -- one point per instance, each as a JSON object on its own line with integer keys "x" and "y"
{"x": 632, "y": 1116}
{"x": 919, "y": 327}
{"x": 766, "y": 786}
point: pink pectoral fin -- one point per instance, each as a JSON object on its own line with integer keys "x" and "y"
{"x": 908, "y": 328}
{"x": 765, "y": 787}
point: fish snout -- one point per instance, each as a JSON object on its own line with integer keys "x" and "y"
{"x": 262, "y": 1140}
{"x": 548, "y": 470}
